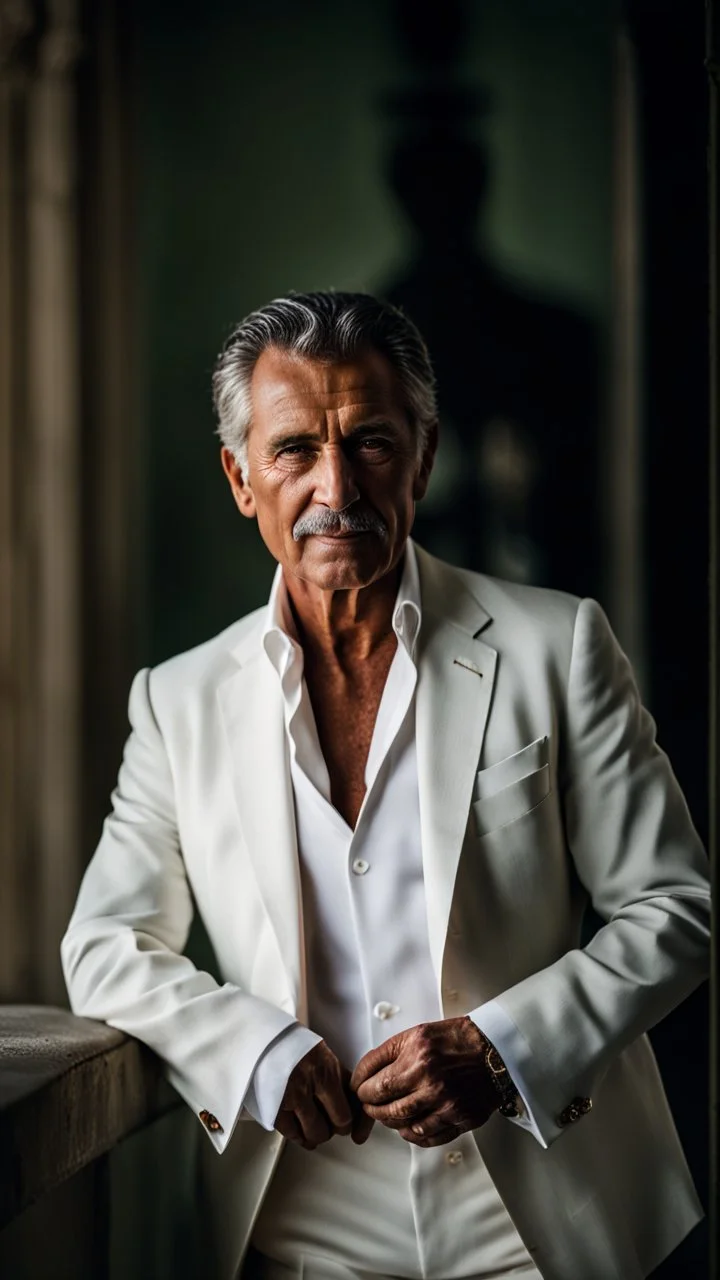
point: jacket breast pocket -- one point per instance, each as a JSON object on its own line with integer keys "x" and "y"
{"x": 512, "y": 787}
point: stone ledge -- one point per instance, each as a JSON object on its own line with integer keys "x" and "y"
{"x": 70, "y": 1089}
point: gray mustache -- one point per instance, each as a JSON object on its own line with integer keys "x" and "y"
{"x": 323, "y": 520}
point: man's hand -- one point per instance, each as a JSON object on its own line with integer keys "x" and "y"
{"x": 318, "y": 1103}
{"x": 429, "y": 1083}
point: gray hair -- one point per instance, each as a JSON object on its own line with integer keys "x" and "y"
{"x": 321, "y": 326}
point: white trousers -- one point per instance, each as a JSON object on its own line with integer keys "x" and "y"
{"x": 386, "y": 1209}
{"x": 315, "y": 1267}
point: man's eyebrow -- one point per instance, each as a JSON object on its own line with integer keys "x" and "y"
{"x": 284, "y": 439}
{"x": 372, "y": 424}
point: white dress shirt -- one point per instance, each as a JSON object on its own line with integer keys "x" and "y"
{"x": 425, "y": 1212}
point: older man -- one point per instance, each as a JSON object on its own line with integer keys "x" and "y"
{"x": 391, "y": 794}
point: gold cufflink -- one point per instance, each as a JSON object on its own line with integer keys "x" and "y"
{"x": 211, "y": 1122}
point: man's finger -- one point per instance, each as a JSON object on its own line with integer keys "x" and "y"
{"x": 432, "y": 1129}
{"x": 382, "y": 1088}
{"x": 405, "y": 1111}
{"x": 362, "y": 1128}
{"x": 336, "y": 1105}
{"x": 362, "y": 1124}
{"x": 374, "y": 1061}
{"x": 432, "y": 1124}
{"x": 435, "y": 1140}
{"x": 287, "y": 1124}
{"x": 314, "y": 1124}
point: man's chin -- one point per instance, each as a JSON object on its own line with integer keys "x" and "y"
{"x": 343, "y": 562}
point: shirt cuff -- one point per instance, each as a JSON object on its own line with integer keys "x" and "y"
{"x": 272, "y": 1072}
{"x": 501, "y": 1031}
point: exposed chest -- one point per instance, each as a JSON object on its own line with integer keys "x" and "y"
{"x": 345, "y": 709}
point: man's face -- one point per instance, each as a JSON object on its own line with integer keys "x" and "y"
{"x": 328, "y": 438}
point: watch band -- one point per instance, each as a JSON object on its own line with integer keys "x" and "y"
{"x": 510, "y": 1100}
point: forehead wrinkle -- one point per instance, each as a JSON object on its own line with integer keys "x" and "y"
{"x": 279, "y": 392}
{"x": 292, "y": 393}
{"x": 283, "y": 404}
{"x": 303, "y": 376}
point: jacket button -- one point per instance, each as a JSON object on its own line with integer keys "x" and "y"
{"x": 574, "y": 1110}
{"x": 211, "y": 1122}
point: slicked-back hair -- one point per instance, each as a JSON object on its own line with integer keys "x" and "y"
{"x": 325, "y": 326}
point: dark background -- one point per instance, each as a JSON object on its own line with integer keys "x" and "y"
{"x": 459, "y": 165}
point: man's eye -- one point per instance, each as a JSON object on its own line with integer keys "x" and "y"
{"x": 293, "y": 450}
{"x": 373, "y": 443}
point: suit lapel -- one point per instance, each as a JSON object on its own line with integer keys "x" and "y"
{"x": 456, "y": 676}
{"x": 252, "y": 712}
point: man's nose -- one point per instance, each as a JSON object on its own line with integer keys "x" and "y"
{"x": 335, "y": 486}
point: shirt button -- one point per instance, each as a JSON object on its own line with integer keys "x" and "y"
{"x": 454, "y": 1157}
{"x": 383, "y": 1009}
{"x": 360, "y": 866}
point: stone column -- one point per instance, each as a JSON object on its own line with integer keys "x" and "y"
{"x": 17, "y": 32}
{"x": 40, "y": 494}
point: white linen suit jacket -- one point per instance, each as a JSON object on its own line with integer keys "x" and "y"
{"x": 541, "y": 786}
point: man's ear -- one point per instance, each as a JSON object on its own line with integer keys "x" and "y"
{"x": 241, "y": 491}
{"x": 425, "y": 467}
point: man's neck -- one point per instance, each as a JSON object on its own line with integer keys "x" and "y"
{"x": 344, "y": 627}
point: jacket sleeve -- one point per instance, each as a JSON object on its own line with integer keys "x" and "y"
{"x": 639, "y": 856}
{"x": 121, "y": 953}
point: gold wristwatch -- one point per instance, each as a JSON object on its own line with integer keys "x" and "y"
{"x": 510, "y": 1100}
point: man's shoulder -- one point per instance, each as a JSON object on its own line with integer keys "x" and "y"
{"x": 521, "y": 595}
{"x": 504, "y": 601}
{"x": 206, "y": 664}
